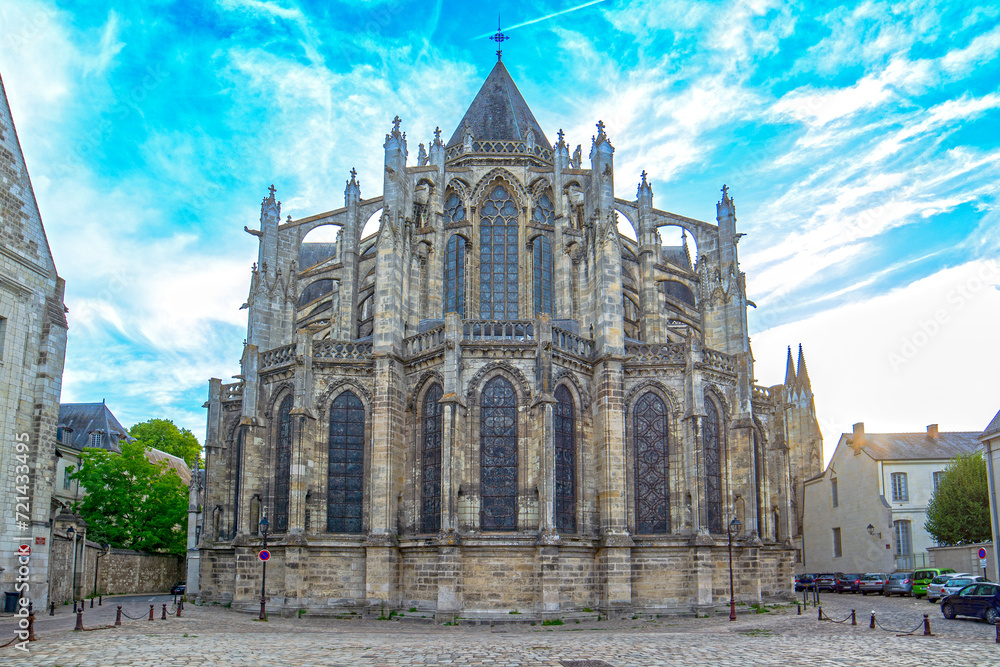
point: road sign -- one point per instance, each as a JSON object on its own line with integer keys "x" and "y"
{"x": 982, "y": 553}
{"x": 263, "y": 554}
{"x": 982, "y": 563}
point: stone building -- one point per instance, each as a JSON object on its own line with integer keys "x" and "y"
{"x": 498, "y": 401}
{"x": 32, "y": 351}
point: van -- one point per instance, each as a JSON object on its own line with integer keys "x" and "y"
{"x": 925, "y": 576}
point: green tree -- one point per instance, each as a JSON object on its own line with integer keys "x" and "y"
{"x": 959, "y": 511}
{"x": 164, "y": 435}
{"x": 131, "y": 502}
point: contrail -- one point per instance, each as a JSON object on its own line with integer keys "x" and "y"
{"x": 543, "y": 18}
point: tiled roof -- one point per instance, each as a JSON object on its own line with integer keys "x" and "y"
{"x": 499, "y": 113}
{"x": 912, "y": 446}
{"x": 994, "y": 425}
{"x": 87, "y": 418}
{"x": 176, "y": 463}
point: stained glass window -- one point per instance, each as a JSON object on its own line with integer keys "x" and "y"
{"x": 713, "y": 467}
{"x": 498, "y": 456}
{"x": 498, "y": 257}
{"x": 565, "y": 461}
{"x": 431, "y": 461}
{"x": 453, "y": 208}
{"x": 542, "y": 275}
{"x": 283, "y": 466}
{"x": 454, "y": 276}
{"x": 346, "y": 464}
{"x": 544, "y": 213}
{"x": 652, "y": 464}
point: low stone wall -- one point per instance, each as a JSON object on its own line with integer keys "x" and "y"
{"x": 964, "y": 558}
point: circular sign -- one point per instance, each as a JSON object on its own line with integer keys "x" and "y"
{"x": 263, "y": 554}
{"x": 982, "y": 552}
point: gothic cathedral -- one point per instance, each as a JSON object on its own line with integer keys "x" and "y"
{"x": 499, "y": 402}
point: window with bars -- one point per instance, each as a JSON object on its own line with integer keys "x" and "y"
{"x": 938, "y": 476}
{"x": 282, "y": 465}
{"x": 430, "y": 468}
{"x": 345, "y": 467}
{"x": 900, "y": 492}
{"x": 498, "y": 269}
{"x": 834, "y": 496}
{"x": 904, "y": 542}
{"x": 652, "y": 464}
{"x": 542, "y": 275}
{"x": 95, "y": 440}
{"x": 67, "y": 481}
{"x": 837, "y": 548}
{"x": 713, "y": 466}
{"x": 565, "y": 426}
{"x": 454, "y": 276}
{"x": 498, "y": 456}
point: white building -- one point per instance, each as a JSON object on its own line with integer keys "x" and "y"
{"x": 866, "y": 512}
{"x": 990, "y": 439}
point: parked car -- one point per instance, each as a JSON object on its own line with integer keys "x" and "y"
{"x": 805, "y": 582}
{"x": 921, "y": 578}
{"x": 900, "y": 583}
{"x": 937, "y": 583}
{"x": 849, "y": 583}
{"x": 179, "y": 589}
{"x": 954, "y": 585}
{"x": 828, "y": 581}
{"x": 873, "y": 582}
{"x": 981, "y": 600}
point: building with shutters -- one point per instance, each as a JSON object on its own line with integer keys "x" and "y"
{"x": 498, "y": 401}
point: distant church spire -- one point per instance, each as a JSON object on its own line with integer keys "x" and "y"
{"x": 789, "y": 370}
{"x": 499, "y": 38}
{"x": 801, "y": 373}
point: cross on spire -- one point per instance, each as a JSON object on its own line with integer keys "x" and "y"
{"x": 271, "y": 190}
{"x": 395, "y": 123}
{"x": 354, "y": 173}
{"x": 499, "y": 38}
{"x": 600, "y": 127}
{"x": 561, "y": 135}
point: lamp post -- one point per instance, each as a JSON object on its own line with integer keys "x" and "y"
{"x": 71, "y": 533}
{"x": 734, "y": 529}
{"x": 97, "y": 563}
{"x": 263, "y": 578}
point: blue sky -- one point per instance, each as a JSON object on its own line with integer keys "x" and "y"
{"x": 861, "y": 143}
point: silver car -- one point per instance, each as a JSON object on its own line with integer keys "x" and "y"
{"x": 900, "y": 583}
{"x": 956, "y": 584}
{"x": 934, "y": 588}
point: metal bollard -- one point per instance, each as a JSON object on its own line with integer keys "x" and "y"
{"x": 998, "y": 632}
{"x": 180, "y": 607}
{"x": 79, "y": 621}
{"x": 799, "y": 607}
{"x": 118, "y": 618}
{"x": 91, "y": 602}
{"x": 927, "y": 627}
{"x": 74, "y": 606}
{"x": 31, "y": 624}
{"x": 820, "y": 615}
{"x": 164, "y": 617}
{"x": 151, "y": 612}
{"x": 854, "y": 618}
{"x": 52, "y": 609}
{"x": 100, "y": 600}
{"x": 872, "y": 626}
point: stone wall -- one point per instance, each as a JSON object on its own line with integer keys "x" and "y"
{"x": 964, "y": 558}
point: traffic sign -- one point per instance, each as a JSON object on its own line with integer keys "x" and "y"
{"x": 982, "y": 553}
{"x": 263, "y": 554}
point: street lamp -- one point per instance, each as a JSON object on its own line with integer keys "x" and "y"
{"x": 97, "y": 563}
{"x": 734, "y": 529}
{"x": 71, "y": 534}
{"x": 263, "y": 578}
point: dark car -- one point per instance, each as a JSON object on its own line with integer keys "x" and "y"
{"x": 805, "y": 582}
{"x": 849, "y": 583}
{"x": 900, "y": 583}
{"x": 828, "y": 581}
{"x": 980, "y": 600}
{"x": 179, "y": 589}
{"x": 873, "y": 582}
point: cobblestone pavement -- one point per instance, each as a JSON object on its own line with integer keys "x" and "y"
{"x": 215, "y": 636}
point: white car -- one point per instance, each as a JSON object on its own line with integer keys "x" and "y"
{"x": 934, "y": 588}
{"x": 955, "y": 584}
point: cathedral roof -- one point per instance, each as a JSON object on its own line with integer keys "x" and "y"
{"x": 499, "y": 113}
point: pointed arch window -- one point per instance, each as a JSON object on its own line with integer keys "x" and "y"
{"x": 652, "y": 465}
{"x": 283, "y": 465}
{"x": 498, "y": 456}
{"x": 453, "y": 208}
{"x": 544, "y": 213}
{"x": 542, "y": 275}
{"x": 345, "y": 467}
{"x": 712, "y": 448}
{"x": 454, "y": 276}
{"x": 565, "y": 429}
{"x": 430, "y": 494}
{"x": 498, "y": 271}
{"x": 236, "y": 471}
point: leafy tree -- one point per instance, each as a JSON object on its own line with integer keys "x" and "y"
{"x": 131, "y": 502}
{"x": 959, "y": 511}
{"x": 164, "y": 435}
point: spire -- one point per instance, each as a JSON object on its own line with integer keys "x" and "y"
{"x": 802, "y": 373}
{"x": 645, "y": 189}
{"x": 601, "y": 143}
{"x": 353, "y": 190}
{"x": 789, "y": 370}
{"x": 726, "y": 207}
{"x": 499, "y": 113}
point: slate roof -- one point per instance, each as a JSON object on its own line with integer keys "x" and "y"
{"x": 913, "y": 446}
{"x": 994, "y": 426}
{"x": 87, "y": 418}
{"x": 499, "y": 113}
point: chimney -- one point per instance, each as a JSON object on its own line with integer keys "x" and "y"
{"x": 859, "y": 437}
{"x": 932, "y": 431}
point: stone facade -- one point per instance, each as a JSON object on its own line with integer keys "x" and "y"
{"x": 498, "y": 401}
{"x": 32, "y": 351}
